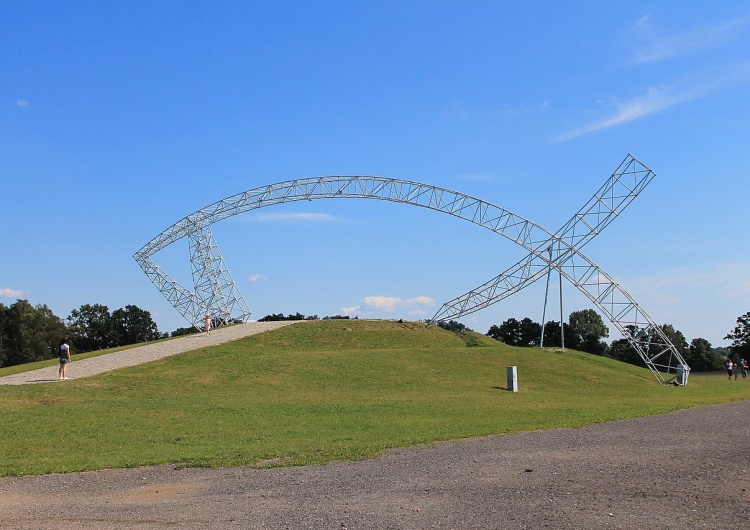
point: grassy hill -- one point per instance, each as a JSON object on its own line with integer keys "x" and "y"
{"x": 322, "y": 391}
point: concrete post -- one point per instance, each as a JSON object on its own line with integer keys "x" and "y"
{"x": 513, "y": 378}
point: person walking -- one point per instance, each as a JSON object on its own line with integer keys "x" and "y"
{"x": 207, "y": 323}
{"x": 736, "y": 370}
{"x": 743, "y": 367}
{"x": 728, "y": 366}
{"x": 63, "y": 350}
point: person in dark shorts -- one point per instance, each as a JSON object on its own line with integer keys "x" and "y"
{"x": 64, "y": 352}
{"x": 728, "y": 366}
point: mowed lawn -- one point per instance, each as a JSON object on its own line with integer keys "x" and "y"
{"x": 321, "y": 391}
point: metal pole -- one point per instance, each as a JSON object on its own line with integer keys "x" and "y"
{"x": 546, "y": 292}
{"x": 562, "y": 325}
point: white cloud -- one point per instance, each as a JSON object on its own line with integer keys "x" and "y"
{"x": 383, "y": 303}
{"x": 655, "y": 100}
{"x": 10, "y": 293}
{"x": 662, "y": 98}
{"x": 309, "y": 217}
{"x": 22, "y": 103}
{"x": 391, "y": 303}
{"x": 255, "y": 277}
{"x": 650, "y": 44}
{"x": 420, "y": 300}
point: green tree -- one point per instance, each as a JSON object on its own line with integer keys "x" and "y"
{"x": 4, "y": 351}
{"x": 552, "y": 336}
{"x": 508, "y": 332}
{"x": 132, "y": 325}
{"x": 675, "y": 337}
{"x": 740, "y": 337}
{"x": 701, "y": 357}
{"x": 297, "y": 316}
{"x": 586, "y": 331}
{"x": 454, "y": 326}
{"x": 530, "y": 332}
{"x": 723, "y": 352}
{"x": 622, "y": 350}
{"x": 517, "y": 333}
{"x": 91, "y": 327}
{"x": 185, "y": 331}
{"x": 28, "y": 333}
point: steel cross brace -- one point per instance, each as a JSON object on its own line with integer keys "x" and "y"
{"x": 616, "y": 194}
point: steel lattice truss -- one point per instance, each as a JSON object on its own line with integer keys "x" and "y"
{"x": 214, "y": 290}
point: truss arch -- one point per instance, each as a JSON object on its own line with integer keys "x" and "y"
{"x": 215, "y": 292}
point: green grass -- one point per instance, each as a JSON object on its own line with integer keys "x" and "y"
{"x": 322, "y": 391}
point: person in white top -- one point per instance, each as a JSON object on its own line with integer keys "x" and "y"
{"x": 728, "y": 365}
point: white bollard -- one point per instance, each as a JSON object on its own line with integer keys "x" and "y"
{"x": 682, "y": 375}
{"x": 512, "y": 378}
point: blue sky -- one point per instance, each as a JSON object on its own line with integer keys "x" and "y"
{"x": 120, "y": 118}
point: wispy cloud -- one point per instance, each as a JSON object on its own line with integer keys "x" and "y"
{"x": 701, "y": 302}
{"x": 650, "y": 44}
{"x": 305, "y": 217}
{"x": 654, "y": 100}
{"x": 657, "y": 99}
{"x": 390, "y": 304}
{"x": 729, "y": 280}
{"x": 10, "y": 293}
{"x": 255, "y": 277}
{"x": 22, "y": 103}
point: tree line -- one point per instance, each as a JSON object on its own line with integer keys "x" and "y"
{"x": 31, "y": 333}
{"x": 585, "y": 331}
{"x": 273, "y": 317}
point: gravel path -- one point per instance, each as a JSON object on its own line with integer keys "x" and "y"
{"x": 143, "y": 354}
{"x": 686, "y": 469}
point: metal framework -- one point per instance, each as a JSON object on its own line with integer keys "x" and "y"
{"x": 215, "y": 292}
{"x": 563, "y": 253}
{"x": 617, "y": 192}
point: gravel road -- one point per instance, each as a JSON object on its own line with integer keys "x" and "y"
{"x": 143, "y": 354}
{"x": 686, "y": 469}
